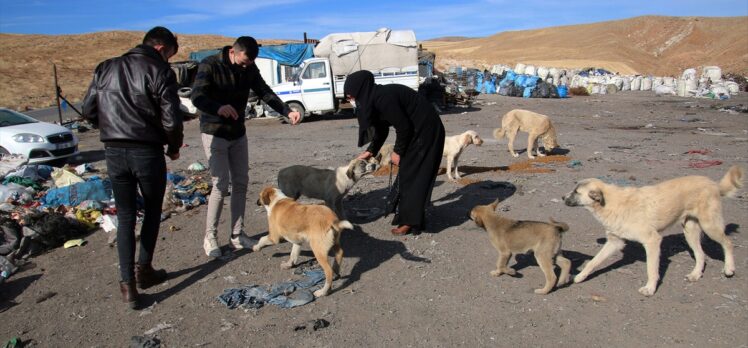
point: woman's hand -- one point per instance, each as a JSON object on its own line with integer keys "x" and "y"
{"x": 395, "y": 158}
{"x": 365, "y": 155}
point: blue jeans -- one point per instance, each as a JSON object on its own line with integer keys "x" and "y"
{"x": 128, "y": 169}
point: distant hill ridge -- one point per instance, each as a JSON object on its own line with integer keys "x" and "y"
{"x": 645, "y": 45}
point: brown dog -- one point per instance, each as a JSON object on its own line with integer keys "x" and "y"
{"x": 535, "y": 124}
{"x": 298, "y": 223}
{"x": 642, "y": 213}
{"x": 511, "y": 237}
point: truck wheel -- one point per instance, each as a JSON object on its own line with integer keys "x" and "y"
{"x": 294, "y": 106}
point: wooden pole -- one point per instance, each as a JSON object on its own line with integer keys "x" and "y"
{"x": 57, "y": 93}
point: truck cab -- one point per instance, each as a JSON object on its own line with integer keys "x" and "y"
{"x": 311, "y": 89}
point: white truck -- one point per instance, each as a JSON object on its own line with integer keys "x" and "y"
{"x": 392, "y": 56}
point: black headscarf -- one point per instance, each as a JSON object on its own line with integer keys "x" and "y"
{"x": 360, "y": 85}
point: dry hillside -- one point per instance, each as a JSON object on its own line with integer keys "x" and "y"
{"x": 650, "y": 45}
{"x": 26, "y": 62}
{"x": 646, "y": 45}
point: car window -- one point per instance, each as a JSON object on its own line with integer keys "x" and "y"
{"x": 12, "y": 118}
{"x": 315, "y": 71}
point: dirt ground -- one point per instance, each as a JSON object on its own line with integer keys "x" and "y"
{"x": 433, "y": 289}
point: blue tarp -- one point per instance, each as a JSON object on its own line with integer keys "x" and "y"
{"x": 291, "y": 54}
{"x": 94, "y": 189}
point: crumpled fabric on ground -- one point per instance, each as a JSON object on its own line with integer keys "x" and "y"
{"x": 35, "y": 172}
{"x": 10, "y": 234}
{"x": 25, "y": 182}
{"x": 254, "y": 296}
{"x": 73, "y": 195}
{"x": 63, "y": 178}
{"x": 188, "y": 192}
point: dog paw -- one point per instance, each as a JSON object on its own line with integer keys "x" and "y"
{"x": 515, "y": 155}
{"x": 647, "y": 290}
{"x": 286, "y": 265}
{"x": 531, "y": 157}
{"x": 255, "y": 247}
{"x": 729, "y": 273}
{"x": 562, "y": 281}
{"x": 541, "y": 154}
{"x": 542, "y": 291}
{"x": 495, "y": 273}
{"x": 692, "y": 277}
{"x": 510, "y": 271}
{"x": 579, "y": 278}
{"x": 320, "y": 293}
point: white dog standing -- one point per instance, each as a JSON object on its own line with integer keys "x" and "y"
{"x": 642, "y": 213}
{"x": 453, "y": 147}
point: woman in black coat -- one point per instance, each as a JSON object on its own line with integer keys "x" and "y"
{"x": 418, "y": 144}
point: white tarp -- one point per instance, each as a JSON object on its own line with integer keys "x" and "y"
{"x": 374, "y": 51}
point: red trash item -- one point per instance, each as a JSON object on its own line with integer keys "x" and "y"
{"x": 704, "y": 164}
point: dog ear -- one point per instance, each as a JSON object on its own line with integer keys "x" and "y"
{"x": 597, "y": 196}
{"x": 350, "y": 172}
{"x": 265, "y": 196}
{"x": 494, "y": 204}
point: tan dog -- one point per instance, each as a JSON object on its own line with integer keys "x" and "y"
{"x": 383, "y": 156}
{"x": 536, "y": 125}
{"x": 453, "y": 147}
{"x": 298, "y": 223}
{"x": 326, "y": 184}
{"x": 511, "y": 237}
{"x": 642, "y": 213}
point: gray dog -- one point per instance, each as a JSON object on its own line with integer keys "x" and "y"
{"x": 325, "y": 184}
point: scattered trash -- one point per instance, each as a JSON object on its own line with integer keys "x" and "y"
{"x": 46, "y": 296}
{"x": 83, "y": 168}
{"x": 254, "y": 296}
{"x": 63, "y": 178}
{"x": 574, "y": 164}
{"x": 73, "y": 243}
{"x": 196, "y": 167}
{"x": 700, "y": 152}
{"x": 144, "y": 342}
{"x": 704, "y": 163}
{"x": 598, "y": 298}
{"x": 649, "y": 125}
{"x": 157, "y": 328}
{"x": 315, "y": 325}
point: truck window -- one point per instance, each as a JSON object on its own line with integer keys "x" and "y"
{"x": 315, "y": 71}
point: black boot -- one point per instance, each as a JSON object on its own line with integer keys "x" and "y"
{"x": 146, "y": 276}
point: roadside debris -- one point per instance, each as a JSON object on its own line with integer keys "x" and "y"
{"x": 255, "y": 296}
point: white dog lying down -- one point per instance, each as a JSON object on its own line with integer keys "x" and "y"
{"x": 325, "y": 184}
{"x": 453, "y": 147}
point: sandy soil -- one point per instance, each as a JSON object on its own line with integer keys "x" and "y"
{"x": 433, "y": 289}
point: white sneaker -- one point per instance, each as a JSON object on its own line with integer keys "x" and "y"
{"x": 242, "y": 241}
{"x": 211, "y": 246}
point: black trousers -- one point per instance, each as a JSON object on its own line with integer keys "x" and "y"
{"x": 418, "y": 169}
{"x": 128, "y": 169}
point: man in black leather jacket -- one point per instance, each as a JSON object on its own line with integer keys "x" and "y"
{"x": 133, "y": 101}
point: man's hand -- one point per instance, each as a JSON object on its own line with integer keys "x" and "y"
{"x": 173, "y": 156}
{"x": 365, "y": 155}
{"x": 228, "y": 111}
{"x": 295, "y": 117}
{"x": 395, "y": 158}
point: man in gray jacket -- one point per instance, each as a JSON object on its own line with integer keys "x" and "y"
{"x": 133, "y": 101}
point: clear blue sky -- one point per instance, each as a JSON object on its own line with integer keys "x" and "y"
{"x": 288, "y": 19}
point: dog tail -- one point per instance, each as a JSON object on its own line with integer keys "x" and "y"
{"x": 498, "y": 133}
{"x": 341, "y": 225}
{"x": 562, "y": 227}
{"x": 731, "y": 182}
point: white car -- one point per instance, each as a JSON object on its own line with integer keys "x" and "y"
{"x": 38, "y": 141}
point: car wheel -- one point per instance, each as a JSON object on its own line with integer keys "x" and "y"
{"x": 294, "y": 106}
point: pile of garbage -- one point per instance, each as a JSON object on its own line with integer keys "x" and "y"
{"x": 42, "y": 207}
